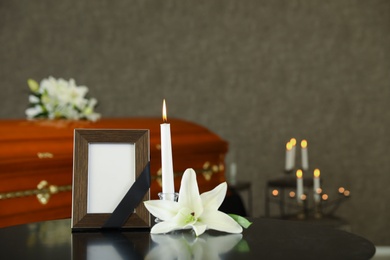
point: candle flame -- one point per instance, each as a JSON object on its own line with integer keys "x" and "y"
{"x": 316, "y": 173}
{"x": 293, "y": 141}
{"x": 288, "y": 146}
{"x": 164, "y": 112}
{"x": 299, "y": 173}
{"x": 303, "y": 143}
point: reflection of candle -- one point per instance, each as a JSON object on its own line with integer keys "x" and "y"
{"x": 316, "y": 185}
{"x": 166, "y": 155}
{"x": 304, "y": 155}
{"x": 299, "y": 185}
{"x": 288, "y": 166}
{"x": 293, "y": 142}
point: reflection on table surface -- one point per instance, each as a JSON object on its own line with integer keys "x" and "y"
{"x": 134, "y": 245}
{"x": 265, "y": 239}
{"x": 184, "y": 245}
{"x": 54, "y": 240}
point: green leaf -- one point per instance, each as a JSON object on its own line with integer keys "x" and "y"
{"x": 243, "y": 246}
{"x": 241, "y": 220}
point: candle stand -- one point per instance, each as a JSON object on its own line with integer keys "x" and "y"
{"x": 282, "y": 191}
{"x": 167, "y": 196}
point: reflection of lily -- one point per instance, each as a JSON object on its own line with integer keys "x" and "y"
{"x": 199, "y": 212}
{"x": 186, "y": 246}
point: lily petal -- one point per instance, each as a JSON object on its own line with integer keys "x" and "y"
{"x": 220, "y": 221}
{"x": 213, "y": 199}
{"x": 189, "y": 193}
{"x": 199, "y": 228}
{"x": 162, "y": 209}
{"x": 164, "y": 227}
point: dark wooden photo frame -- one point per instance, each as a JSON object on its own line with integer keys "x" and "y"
{"x": 84, "y": 140}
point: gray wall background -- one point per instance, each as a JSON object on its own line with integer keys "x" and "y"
{"x": 256, "y": 72}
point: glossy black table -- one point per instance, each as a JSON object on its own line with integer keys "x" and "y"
{"x": 265, "y": 239}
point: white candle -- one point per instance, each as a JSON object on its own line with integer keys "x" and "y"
{"x": 304, "y": 155}
{"x": 316, "y": 185}
{"x": 299, "y": 175}
{"x": 293, "y": 142}
{"x": 166, "y": 155}
{"x": 288, "y": 163}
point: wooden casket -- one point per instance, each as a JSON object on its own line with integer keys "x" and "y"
{"x": 36, "y": 162}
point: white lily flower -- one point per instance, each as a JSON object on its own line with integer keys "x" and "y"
{"x": 33, "y": 111}
{"x": 33, "y": 99}
{"x": 93, "y": 116}
{"x": 192, "y": 211}
{"x": 49, "y": 86}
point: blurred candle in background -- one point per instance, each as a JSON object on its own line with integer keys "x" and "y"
{"x": 304, "y": 155}
{"x": 233, "y": 173}
{"x": 293, "y": 142}
{"x": 288, "y": 164}
{"x": 299, "y": 175}
{"x": 316, "y": 185}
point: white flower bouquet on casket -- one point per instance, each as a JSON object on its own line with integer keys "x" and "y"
{"x": 60, "y": 99}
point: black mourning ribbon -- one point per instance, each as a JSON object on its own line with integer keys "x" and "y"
{"x": 130, "y": 201}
